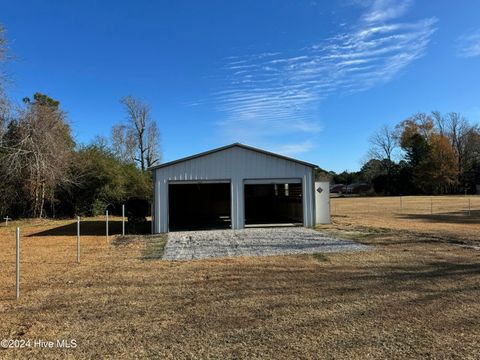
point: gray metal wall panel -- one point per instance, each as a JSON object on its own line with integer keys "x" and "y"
{"x": 235, "y": 164}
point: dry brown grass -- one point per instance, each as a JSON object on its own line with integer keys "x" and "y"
{"x": 432, "y": 215}
{"x": 410, "y": 297}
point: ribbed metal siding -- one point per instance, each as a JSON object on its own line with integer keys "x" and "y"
{"x": 234, "y": 164}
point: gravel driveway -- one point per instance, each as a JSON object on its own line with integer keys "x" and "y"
{"x": 186, "y": 245}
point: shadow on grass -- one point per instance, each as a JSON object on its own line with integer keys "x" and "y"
{"x": 458, "y": 217}
{"x": 87, "y": 228}
{"x": 8, "y": 297}
{"x": 403, "y": 237}
{"x": 396, "y": 274}
{"x": 95, "y": 228}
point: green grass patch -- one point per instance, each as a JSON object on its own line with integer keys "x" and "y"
{"x": 359, "y": 233}
{"x": 154, "y": 246}
{"x": 320, "y": 257}
{"x": 119, "y": 241}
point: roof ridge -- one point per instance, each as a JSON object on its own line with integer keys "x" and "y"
{"x": 247, "y": 147}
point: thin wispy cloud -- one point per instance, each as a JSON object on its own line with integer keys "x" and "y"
{"x": 382, "y": 10}
{"x": 294, "y": 149}
{"x": 277, "y": 94}
{"x": 468, "y": 45}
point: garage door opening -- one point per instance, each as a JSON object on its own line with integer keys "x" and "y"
{"x": 199, "y": 206}
{"x": 273, "y": 204}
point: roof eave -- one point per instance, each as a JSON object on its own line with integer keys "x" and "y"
{"x": 251, "y": 148}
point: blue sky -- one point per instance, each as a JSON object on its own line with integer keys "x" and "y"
{"x": 308, "y": 79}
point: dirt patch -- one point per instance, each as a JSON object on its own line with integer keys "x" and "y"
{"x": 320, "y": 257}
{"x": 154, "y": 246}
{"x": 125, "y": 240}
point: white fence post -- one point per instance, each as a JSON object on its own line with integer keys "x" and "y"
{"x": 106, "y": 213}
{"x": 123, "y": 220}
{"x": 17, "y": 283}
{"x": 78, "y": 239}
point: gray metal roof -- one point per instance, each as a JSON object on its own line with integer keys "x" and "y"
{"x": 228, "y": 147}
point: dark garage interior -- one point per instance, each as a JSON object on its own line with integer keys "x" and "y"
{"x": 273, "y": 204}
{"x": 199, "y": 206}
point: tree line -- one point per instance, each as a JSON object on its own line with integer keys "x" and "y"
{"x": 44, "y": 172}
{"x": 428, "y": 153}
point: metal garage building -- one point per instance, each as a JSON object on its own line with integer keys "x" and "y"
{"x": 232, "y": 187}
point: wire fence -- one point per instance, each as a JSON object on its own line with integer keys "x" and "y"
{"x": 45, "y": 248}
{"x": 422, "y": 205}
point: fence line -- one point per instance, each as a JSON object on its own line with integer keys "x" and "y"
{"x": 17, "y": 261}
{"x": 78, "y": 239}
{"x": 106, "y": 224}
{"x": 433, "y": 205}
{"x": 56, "y": 246}
{"x": 123, "y": 220}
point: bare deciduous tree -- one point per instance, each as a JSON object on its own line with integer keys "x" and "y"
{"x": 4, "y": 104}
{"x": 124, "y": 142}
{"x": 38, "y": 148}
{"x": 153, "y": 148}
{"x": 383, "y": 144}
{"x": 457, "y": 130}
{"x": 140, "y": 133}
{"x": 3, "y": 43}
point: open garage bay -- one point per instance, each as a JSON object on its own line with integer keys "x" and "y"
{"x": 199, "y": 206}
{"x": 273, "y": 204}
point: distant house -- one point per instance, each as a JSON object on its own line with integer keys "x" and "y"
{"x": 338, "y": 188}
{"x": 358, "y": 188}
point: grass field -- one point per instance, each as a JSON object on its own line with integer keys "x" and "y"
{"x": 415, "y": 295}
{"x": 454, "y": 216}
